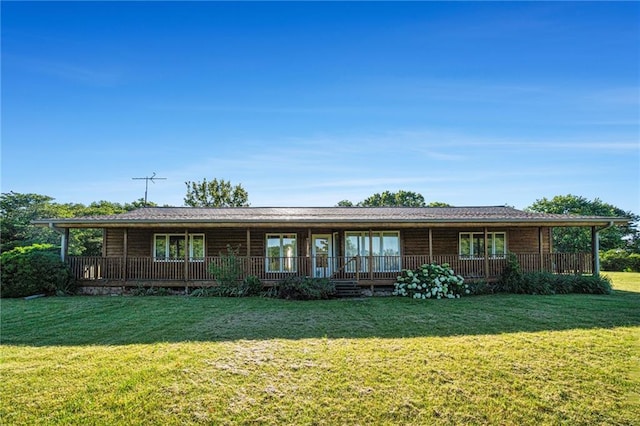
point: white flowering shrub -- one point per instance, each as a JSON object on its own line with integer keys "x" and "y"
{"x": 430, "y": 281}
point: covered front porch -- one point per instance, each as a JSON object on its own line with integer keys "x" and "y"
{"x": 177, "y": 247}
{"x": 366, "y": 271}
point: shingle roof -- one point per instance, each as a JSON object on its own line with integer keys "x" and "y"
{"x": 327, "y": 215}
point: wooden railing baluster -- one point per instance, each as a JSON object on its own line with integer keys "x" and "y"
{"x": 96, "y": 268}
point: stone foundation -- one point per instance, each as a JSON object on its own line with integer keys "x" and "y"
{"x": 100, "y": 291}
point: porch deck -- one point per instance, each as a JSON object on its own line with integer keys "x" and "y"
{"x": 366, "y": 271}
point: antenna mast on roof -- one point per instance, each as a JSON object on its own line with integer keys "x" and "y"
{"x": 151, "y": 178}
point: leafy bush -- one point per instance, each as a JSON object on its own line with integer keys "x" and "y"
{"x": 250, "y": 286}
{"x": 481, "y": 287}
{"x": 34, "y": 269}
{"x": 591, "y": 284}
{"x": 511, "y": 278}
{"x": 209, "y": 291}
{"x": 303, "y": 288}
{"x": 430, "y": 281}
{"x": 228, "y": 272}
{"x": 543, "y": 283}
{"x": 614, "y": 260}
{"x": 548, "y": 283}
{"x": 141, "y": 290}
{"x": 620, "y": 260}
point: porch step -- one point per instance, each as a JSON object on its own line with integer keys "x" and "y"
{"x": 347, "y": 289}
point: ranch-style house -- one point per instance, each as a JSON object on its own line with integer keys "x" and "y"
{"x": 174, "y": 246}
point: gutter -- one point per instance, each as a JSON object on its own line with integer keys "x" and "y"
{"x": 53, "y": 227}
{"x": 64, "y": 240}
{"x": 610, "y": 225}
{"x": 479, "y": 221}
{"x": 596, "y": 247}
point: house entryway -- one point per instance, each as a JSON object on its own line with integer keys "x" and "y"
{"x": 322, "y": 255}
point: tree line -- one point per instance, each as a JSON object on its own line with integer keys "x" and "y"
{"x": 17, "y": 210}
{"x": 565, "y": 239}
{"x": 393, "y": 199}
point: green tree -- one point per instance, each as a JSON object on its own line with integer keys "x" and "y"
{"x": 578, "y": 239}
{"x": 139, "y": 203}
{"x": 399, "y": 199}
{"x": 216, "y": 193}
{"x": 394, "y": 199}
{"x": 34, "y": 269}
{"x": 438, "y": 204}
{"x": 88, "y": 241}
{"x": 17, "y": 211}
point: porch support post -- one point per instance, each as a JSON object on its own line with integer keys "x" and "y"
{"x": 186, "y": 255}
{"x": 247, "y": 270}
{"x": 595, "y": 249}
{"x": 541, "y": 248}
{"x": 125, "y": 253}
{"x": 371, "y": 256}
{"x": 309, "y": 250}
{"x": 248, "y": 243}
{"x": 64, "y": 245}
{"x": 430, "y": 245}
{"x": 486, "y": 253}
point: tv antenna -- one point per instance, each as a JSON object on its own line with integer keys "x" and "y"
{"x": 151, "y": 178}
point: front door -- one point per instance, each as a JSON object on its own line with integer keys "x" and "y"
{"x": 322, "y": 253}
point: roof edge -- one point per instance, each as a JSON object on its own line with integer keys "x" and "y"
{"x": 576, "y": 221}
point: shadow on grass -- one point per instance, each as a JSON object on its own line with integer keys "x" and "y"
{"x": 74, "y": 321}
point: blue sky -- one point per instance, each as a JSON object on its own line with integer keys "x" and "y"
{"x": 307, "y": 104}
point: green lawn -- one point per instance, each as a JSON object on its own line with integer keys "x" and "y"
{"x": 499, "y": 359}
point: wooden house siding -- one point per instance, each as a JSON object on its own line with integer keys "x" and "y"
{"x": 526, "y": 240}
{"x": 139, "y": 242}
{"x": 445, "y": 241}
{"x": 414, "y": 242}
{"x": 217, "y": 240}
{"x": 114, "y": 242}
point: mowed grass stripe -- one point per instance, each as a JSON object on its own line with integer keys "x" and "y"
{"x": 481, "y": 360}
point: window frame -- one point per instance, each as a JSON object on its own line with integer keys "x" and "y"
{"x": 491, "y": 250}
{"x": 385, "y": 263}
{"x": 291, "y": 260}
{"x": 189, "y": 247}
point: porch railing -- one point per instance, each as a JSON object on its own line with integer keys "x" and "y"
{"x": 351, "y": 268}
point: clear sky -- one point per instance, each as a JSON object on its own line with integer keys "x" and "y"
{"x": 307, "y": 104}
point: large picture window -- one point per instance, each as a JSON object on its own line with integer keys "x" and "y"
{"x": 171, "y": 247}
{"x": 472, "y": 244}
{"x": 282, "y": 252}
{"x": 383, "y": 246}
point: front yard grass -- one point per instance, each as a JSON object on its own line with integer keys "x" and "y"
{"x": 498, "y": 359}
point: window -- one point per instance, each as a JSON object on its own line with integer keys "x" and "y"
{"x": 472, "y": 244}
{"x": 282, "y": 251}
{"x": 171, "y": 247}
{"x": 385, "y": 249}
